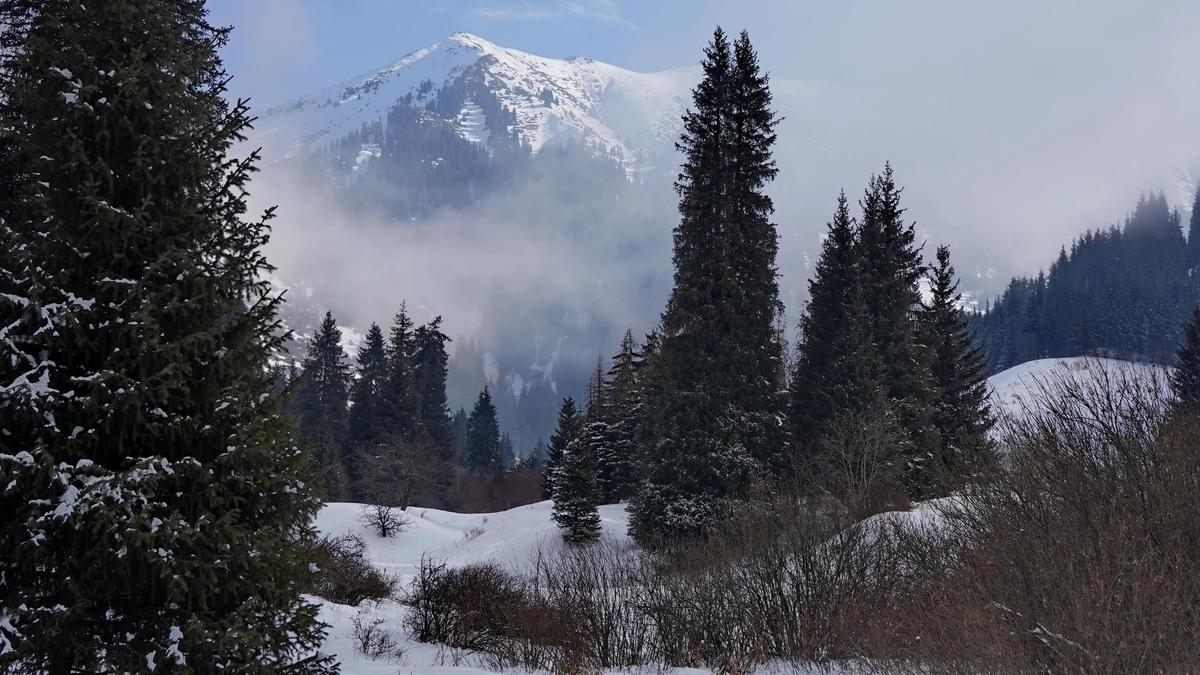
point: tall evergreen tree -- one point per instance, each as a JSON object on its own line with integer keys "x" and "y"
{"x": 483, "y": 436}
{"x": 152, "y": 494}
{"x": 890, "y": 268}
{"x": 614, "y": 442}
{"x": 824, "y": 327}
{"x": 961, "y": 415}
{"x": 368, "y": 393}
{"x": 570, "y": 429}
{"x": 1185, "y": 378}
{"x": 403, "y": 403}
{"x": 1193, "y": 240}
{"x": 713, "y": 398}
{"x": 577, "y": 494}
{"x": 429, "y": 377}
{"x": 322, "y": 399}
{"x": 459, "y": 431}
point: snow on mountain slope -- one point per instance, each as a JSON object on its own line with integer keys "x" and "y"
{"x": 1013, "y": 389}
{"x": 553, "y": 99}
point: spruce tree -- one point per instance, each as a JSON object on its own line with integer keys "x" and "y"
{"x": 368, "y": 394}
{"x": 429, "y": 377}
{"x": 890, "y": 268}
{"x": 577, "y": 494}
{"x": 152, "y": 495}
{"x": 614, "y": 444}
{"x": 402, "y": 401}
{"x": 459, "y": 431}
{"x": 714, "y": 416}
{"x": 322, "y": 399}
{"x": 961, "y": 415}
{"x": 1185, "y": 379}
{"x": 483, "y": 436}
{"x": 1193, "y": 239}
{"x": 824, "y": 328}
{"x": 569, "y": 430}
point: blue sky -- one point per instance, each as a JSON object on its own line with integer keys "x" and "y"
{"x": 284, "y": 47}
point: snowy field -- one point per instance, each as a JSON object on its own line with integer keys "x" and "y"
{"x": 515, "y": 538}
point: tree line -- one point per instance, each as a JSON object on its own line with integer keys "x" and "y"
{"x": 1123, "y": 291}
{"x": 884, "y": 398}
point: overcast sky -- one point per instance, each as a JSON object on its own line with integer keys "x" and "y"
{"x": 1014, "y": 125}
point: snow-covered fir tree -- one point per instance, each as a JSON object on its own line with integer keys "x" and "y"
{"x": 614, "y": 438}
{"x": 577, "y": 494}
{"x": 569, "y": 429}
{"x": 714, "y": 417}
{"x": 151, "y": 495}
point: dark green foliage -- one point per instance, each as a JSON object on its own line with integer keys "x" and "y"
{"x": 613, "y": 438}
{"x": 961, "y": 415}
{"x": 1193, "y": 238}
{"x": 429, "y": 373}
{"x": 577, "y": 494}
{"x": 1125, "y": 292}
{"x": 321, "y": 400}
{"x": 890, "y": 267}
{"x": 712, "y": 397}
{"x": 508, "y": 456}
{"x": 459, "y": 430}
{"x": 569, "y": 430}
{"x": 1185, "y": 379}
{"x": 827, "y": 321}
{"x": 402, "y": 398}
{"x": 369, "y": 413}
{"x": 482, "y": 452}
{"x": 151, "y": 497}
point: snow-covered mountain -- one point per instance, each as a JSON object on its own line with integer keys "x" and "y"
{"x": 551, "y": 100}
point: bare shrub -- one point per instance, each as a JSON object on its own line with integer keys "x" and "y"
{"x": 469, "y": 608}
{"x": 385, "y": 521}
{"x": 372, "y": 639}
{"x": 1079, "y": 553}
{"x": 594, "y": 596}
{"x": 860, "y": 461}
{"x": 402, "y": 471}
{"x": 343, "y": 574}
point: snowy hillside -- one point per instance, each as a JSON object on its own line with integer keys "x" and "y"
{"x": 512, "y": 538}
{"x": 552, "y": 99}
{"x": 1012, "y": 389}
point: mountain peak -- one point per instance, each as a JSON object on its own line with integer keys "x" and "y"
{"x": 475, "y": 41}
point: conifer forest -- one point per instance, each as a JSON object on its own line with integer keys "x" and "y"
{"x": 860, "y": 340}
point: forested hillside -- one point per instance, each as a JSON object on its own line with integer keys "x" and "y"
{"x": 1125, "y": 291}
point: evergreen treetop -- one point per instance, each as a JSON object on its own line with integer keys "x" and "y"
{"x": 483, "y": 436}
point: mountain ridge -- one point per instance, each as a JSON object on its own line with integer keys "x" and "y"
{"x": 552, "y": 100}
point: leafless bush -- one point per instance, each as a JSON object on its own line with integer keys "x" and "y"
{"x": 469, "y": 608}
{"x": 595, "y": 596}
{"x": 374, "y": 640}
{"x": 859, "y": 461}
{"x": 1079, "y": 553}
{"x": 402, "y": 471}
{"x": 343, "y": 574}
{"x": 385, "y": 521}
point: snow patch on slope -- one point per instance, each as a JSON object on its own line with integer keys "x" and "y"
{"x": 553, "y": 99}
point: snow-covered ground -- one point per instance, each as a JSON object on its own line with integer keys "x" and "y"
{"x": 515, "y": 538}
{"x": 512, "y": 538}
{"x": 1012, "y": 389}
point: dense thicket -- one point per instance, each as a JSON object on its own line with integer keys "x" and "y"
{"x": 1125, "y": 291}
{"x": 152, "y": 496}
